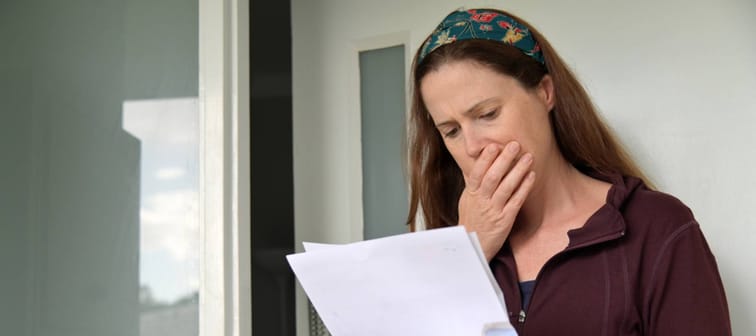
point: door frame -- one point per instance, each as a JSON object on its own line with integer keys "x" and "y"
{"x": 403, "y": 38}
{"x": 225, "y": 302}
{"x": 354, "y": 129}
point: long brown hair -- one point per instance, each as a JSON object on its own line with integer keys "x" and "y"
{"x": 583, "y": 138}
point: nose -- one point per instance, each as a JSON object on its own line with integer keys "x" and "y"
{"x": 474, "y": 143}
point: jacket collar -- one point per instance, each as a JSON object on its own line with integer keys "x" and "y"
{"x": 607, "y": 223}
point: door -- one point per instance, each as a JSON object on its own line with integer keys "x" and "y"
{"x": 350, "y": 99}
{"x": 100, "y": 168}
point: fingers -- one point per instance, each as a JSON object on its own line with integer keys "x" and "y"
{"x": 474, "y": 179}
{"x": 498, "y": 169}
{"x": 495, "y": 191}
{"x": 518, "y": 199}
{"x": 513, "y": 181}
{"x": 498, "y": 175}
{"x": 512, "y": 208}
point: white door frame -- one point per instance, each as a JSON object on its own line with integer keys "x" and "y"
{"x": 403, "y": 39}
{"x": 225, "y": 303}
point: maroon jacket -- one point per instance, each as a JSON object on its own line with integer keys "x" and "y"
{"x": 639, "y": 266}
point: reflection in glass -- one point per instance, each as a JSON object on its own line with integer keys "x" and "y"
{"x": 71, "y": 238}
{"x": 168, "y": 215}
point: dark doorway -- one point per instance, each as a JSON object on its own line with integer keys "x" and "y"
{"x": 273, "y": 305}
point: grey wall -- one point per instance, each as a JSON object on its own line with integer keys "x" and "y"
{"x": 69, "y": 175}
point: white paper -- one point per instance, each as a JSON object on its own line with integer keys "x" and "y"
{"x": 315, "y": 246}
{"x": 431, "y": 283}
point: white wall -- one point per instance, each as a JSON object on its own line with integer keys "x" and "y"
{"x": 673, "y": 78}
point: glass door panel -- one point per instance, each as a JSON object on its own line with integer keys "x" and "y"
{"x": 98, "y": 229}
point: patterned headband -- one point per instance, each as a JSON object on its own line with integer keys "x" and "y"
{"x": 482, "y": 24}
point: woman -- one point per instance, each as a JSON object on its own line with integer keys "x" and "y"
{"x": 507, "y": 143}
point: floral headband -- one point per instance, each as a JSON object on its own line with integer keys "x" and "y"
{"x": 482, "y": 24}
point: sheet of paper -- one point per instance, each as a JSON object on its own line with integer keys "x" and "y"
{"x": 309, "y": 246}
{"x": 316, "y": 246}
{"x": 424, "y": 283}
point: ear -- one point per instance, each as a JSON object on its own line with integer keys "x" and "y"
{"x": 546, "y": 91}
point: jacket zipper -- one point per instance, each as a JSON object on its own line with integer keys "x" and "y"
{"x": 523, "y": 314}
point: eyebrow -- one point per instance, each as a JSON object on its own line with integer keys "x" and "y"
{"x": 469, "y": 111}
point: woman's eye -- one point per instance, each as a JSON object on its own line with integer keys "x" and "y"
{"x": 451, "y": 133}
{"x": 489, "y": 115}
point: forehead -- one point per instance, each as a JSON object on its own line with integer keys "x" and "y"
{"x": 462, "y": 84}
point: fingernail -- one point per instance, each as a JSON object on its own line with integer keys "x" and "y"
{"x": 513, "y": 147}
{"x": 492, "y": 149}
{"x": 527, "y": 158}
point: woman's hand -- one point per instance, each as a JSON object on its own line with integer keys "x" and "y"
{"x": 495, "y": 190}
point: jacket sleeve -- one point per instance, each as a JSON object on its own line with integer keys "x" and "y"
{"x": 685, "y": 295}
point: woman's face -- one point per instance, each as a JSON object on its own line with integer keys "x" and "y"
{"x": 473, "y": 106}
